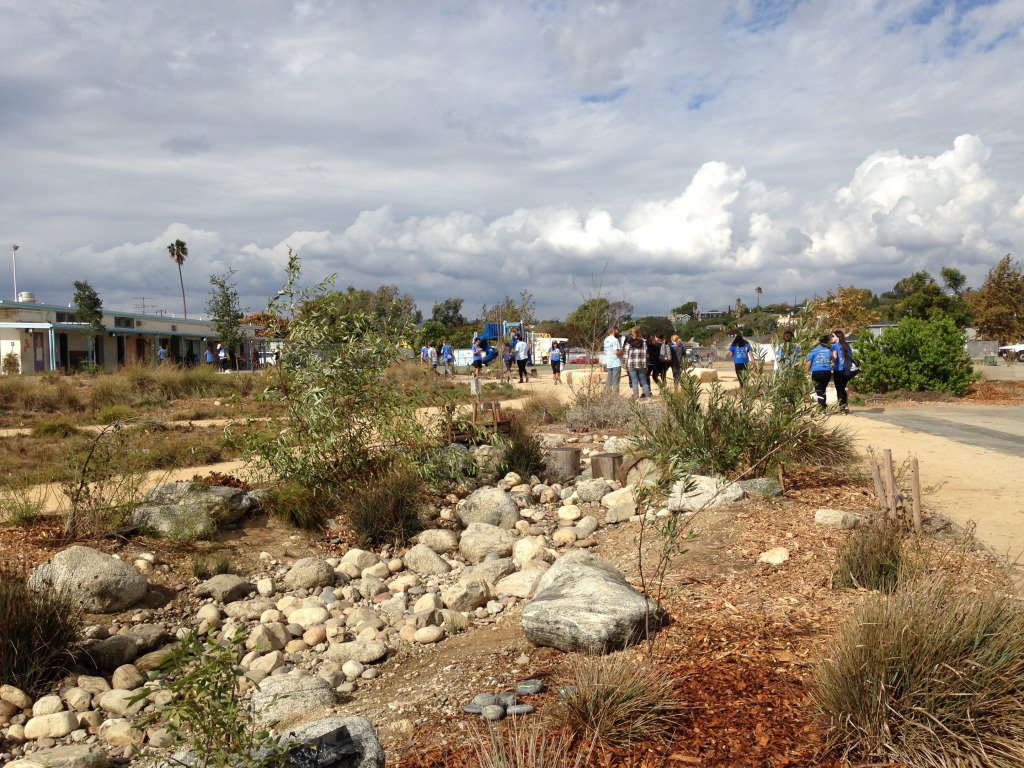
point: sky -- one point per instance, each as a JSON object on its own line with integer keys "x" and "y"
{"x": 653, "y": 152}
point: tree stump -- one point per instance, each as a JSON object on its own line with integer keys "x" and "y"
{"x": 562, "y": 465}
{"x": 606, "y": 465}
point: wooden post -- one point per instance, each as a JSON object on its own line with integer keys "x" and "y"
{"x": 606, "y": 465}
{"x": 915, "y": 475}
{"x": 876, "y": 475}
{"x": 890, "y": 482}
{"x": 562, "y": 464}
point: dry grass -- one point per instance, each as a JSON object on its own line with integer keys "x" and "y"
{"x": 872, "y": 557}
{"x": 531, "y": 745}
{"x": 617, "y": 700}
{"x": 930, "y": 676}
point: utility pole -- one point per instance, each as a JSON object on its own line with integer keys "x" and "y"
{"x": 14, "y": 264}
{"x": 141, "y": 302}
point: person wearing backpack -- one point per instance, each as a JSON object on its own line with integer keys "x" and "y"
{"x": 842, "y": 367}
{"x": 740, "y": 351}
{"x": 819, "y": 363}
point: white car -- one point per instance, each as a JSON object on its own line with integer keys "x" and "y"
{"x": 1013, "y": 350}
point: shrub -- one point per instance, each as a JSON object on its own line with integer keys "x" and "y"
{"x": 617, "y": 700}
{"x": 113, "y": 413}
{"x": 593, "y": 408}
{"x": 543, "y": 408}
{"x": 916, "y": 355}
{"x": 445, "y": 468}
{"x": 12, "y": 364}
{"x": 872, "y": 558}
{"x": 55, "y": 427}
{"x": 300, "y": 506}
{"x": 522, "y": 452}
{"x": 752, "y": 430}
{"x": 205, "y": 712}
{"x": 932, "y": 675}
{"x": 39, "y": 633}
{"x": 530, "y": 745}
{"x": 21, "y": 506}
{"x": 387, "y": 510}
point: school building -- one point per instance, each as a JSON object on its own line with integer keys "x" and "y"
{"x": 49, "y": 338}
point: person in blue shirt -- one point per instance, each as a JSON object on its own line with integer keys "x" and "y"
{"x": 740, "y": 351}
{"x": 842, "y": 365}
{"x": 819, "y": 363}
{"x": 555, "y": 355}
{"x": 447, "y": 358}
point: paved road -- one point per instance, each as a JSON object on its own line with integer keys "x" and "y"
{"x": 993, "y": 427}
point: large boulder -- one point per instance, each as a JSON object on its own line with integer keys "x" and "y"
{"x": 188, "y": 511}
{"x": 308, "y": 573}
{"x": 699, "y": 492}
{"x": 283, "y": 699}
{"x": 480, "y": 539}
{"x": 582, "y": 603}
{"x": 344, "y": 742}
{"x": 488, "y": 505}
{"x": 74, "y": 756}
{"x": 225, "y": 588}
{"x": 440, "y": 540}
{"x": 94, "y": 580}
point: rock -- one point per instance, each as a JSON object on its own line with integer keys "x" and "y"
{"x": 152, "y": 660}
{"x": 96, "y": 581}
{"x": 266, "y": 587}
{"x": 147, "y": 637}
{"x": 187, "y": 511}
{"x": 522, "y": 584}
{"x": 359, "y": 558}
{"x": 775, "y": 556}
{"x": 466, "y": 596}
{"x": 428, "y": 635}
{"x": 482, "y": 539}
{"x": 267, "y": 637}
{"x": 700, "y": 492}
{"x": 52, "y": 726}
{"x": 528, "y": 549}
{"x": 77, "y": 699}
{"x": 93, "y": 684}
{"x": 281, "y": 699}
{"x": 586, "y": 527}
{"x": 835, "y": 518}
{"x": 582, "y": 603}
{"x": 112, "y": 652}
{"x": 493, "y": 712}
{"x": 440, "y": 540}
{"x": 423, "y": 560}
{"x": 353, "y": 669}
{"x": 15, "y": 696}
{"x": 761, "y": 486}
{"x": 309, "y": 573}
{"x": 74, "y": 756}
{"x": 368, "y": 753}
{"x": 225, "y": 588}
{"x": 248, "y": 610}
{"x": 119, "y": 702}
{"x": 592, "y": 490}
{"x": 489, "y": 571}
{"x": 267, "y": 663}
{"x": 569, "y": 512}
{"x": 127, "y": 678}
{"x": 616, "y": 444}
{"x": 428, "y": 602}
{"x": 363, "y": 651}
{"x": 564, "y": 537}
{"x": 309, "y": 616}
{"x": 621, "y": 505}
{"x": 119, "y": 732}
{"x": 47, "y": 705}
{"x": 488, "y": 505}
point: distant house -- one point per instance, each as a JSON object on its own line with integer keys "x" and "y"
{"x": 710, "y": 314}
{"x": 877, "y": 329}
{"x": 48, "y": 338}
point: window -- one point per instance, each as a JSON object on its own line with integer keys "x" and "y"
{"x": 124, "y": 322}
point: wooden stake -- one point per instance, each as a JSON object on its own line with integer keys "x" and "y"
{"x": 890, "y": 483}
{"x": 876, "y": 475}
{"x": 915, "y": 475}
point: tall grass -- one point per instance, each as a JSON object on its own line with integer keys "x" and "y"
{"x": 717, "y": 432}
{"x": 930, "y": 676}
{"x": 39, "y": 633}
{"x": 530, "y": 745}
{"x": 616, "y": 700}
{"x": 872, "y": 558}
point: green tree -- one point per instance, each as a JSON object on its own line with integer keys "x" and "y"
{"x": 655, "y": 324}
{"x": 448, "y": 312}
{"x": 953, "y": 279}
{"x": 916, "y": 355}
{"x": 998, "y": 305}
{"x": 345, "y": 420}
{"x": 178, "y": 252}
{"x": 226, "y": 313}
{"x": 847, "y": 308}
{"x": 390, "y": 310}
{"x": 89, "y": 310}
{"x": 689, "y": 308}
{"x": 511, "y": 310}
{"x": 920, "y": 296}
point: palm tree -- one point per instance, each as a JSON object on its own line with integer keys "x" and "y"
{"x": 178, "y": 252}
{"x": 758, "y": 291}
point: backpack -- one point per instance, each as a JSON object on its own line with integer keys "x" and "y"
{"x": 665, "y": 355}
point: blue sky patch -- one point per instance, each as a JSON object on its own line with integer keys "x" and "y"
{"x": 604, "y": 98}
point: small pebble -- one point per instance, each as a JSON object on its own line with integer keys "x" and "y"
{"x": 473, "y": 709}
{"x": 529, "y": 687}
{"x": 484, "y": 699}
{"x": 520, "y": 709}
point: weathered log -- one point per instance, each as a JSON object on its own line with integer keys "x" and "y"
{"x": 562, "y": 465}
{"x": 606, "y": 465}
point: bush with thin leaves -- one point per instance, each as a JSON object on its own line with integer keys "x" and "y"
{"x": 39, "y": 633}
{"x": 387, "y": 509}
{"x": 205, "y": 712}
{"x": 618, "y": 700}
{"x": 931, "y": 675}
{"x": 752, "y": 430}
{"x": 533, "y": 744}
{"x": 522, "y": 452}
{"x": 872, "y": 557}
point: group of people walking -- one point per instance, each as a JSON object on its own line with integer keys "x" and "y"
{"x": 647, "y": 360}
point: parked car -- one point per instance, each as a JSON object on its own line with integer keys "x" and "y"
{"x": 1013, "y": 351}
{"x": 579, "y": 356}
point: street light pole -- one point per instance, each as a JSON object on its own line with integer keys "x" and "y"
{"x": 14, "y": 264}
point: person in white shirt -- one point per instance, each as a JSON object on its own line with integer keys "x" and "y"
{"x": 613, "y": 358}
{"x": 522, "y": 357}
